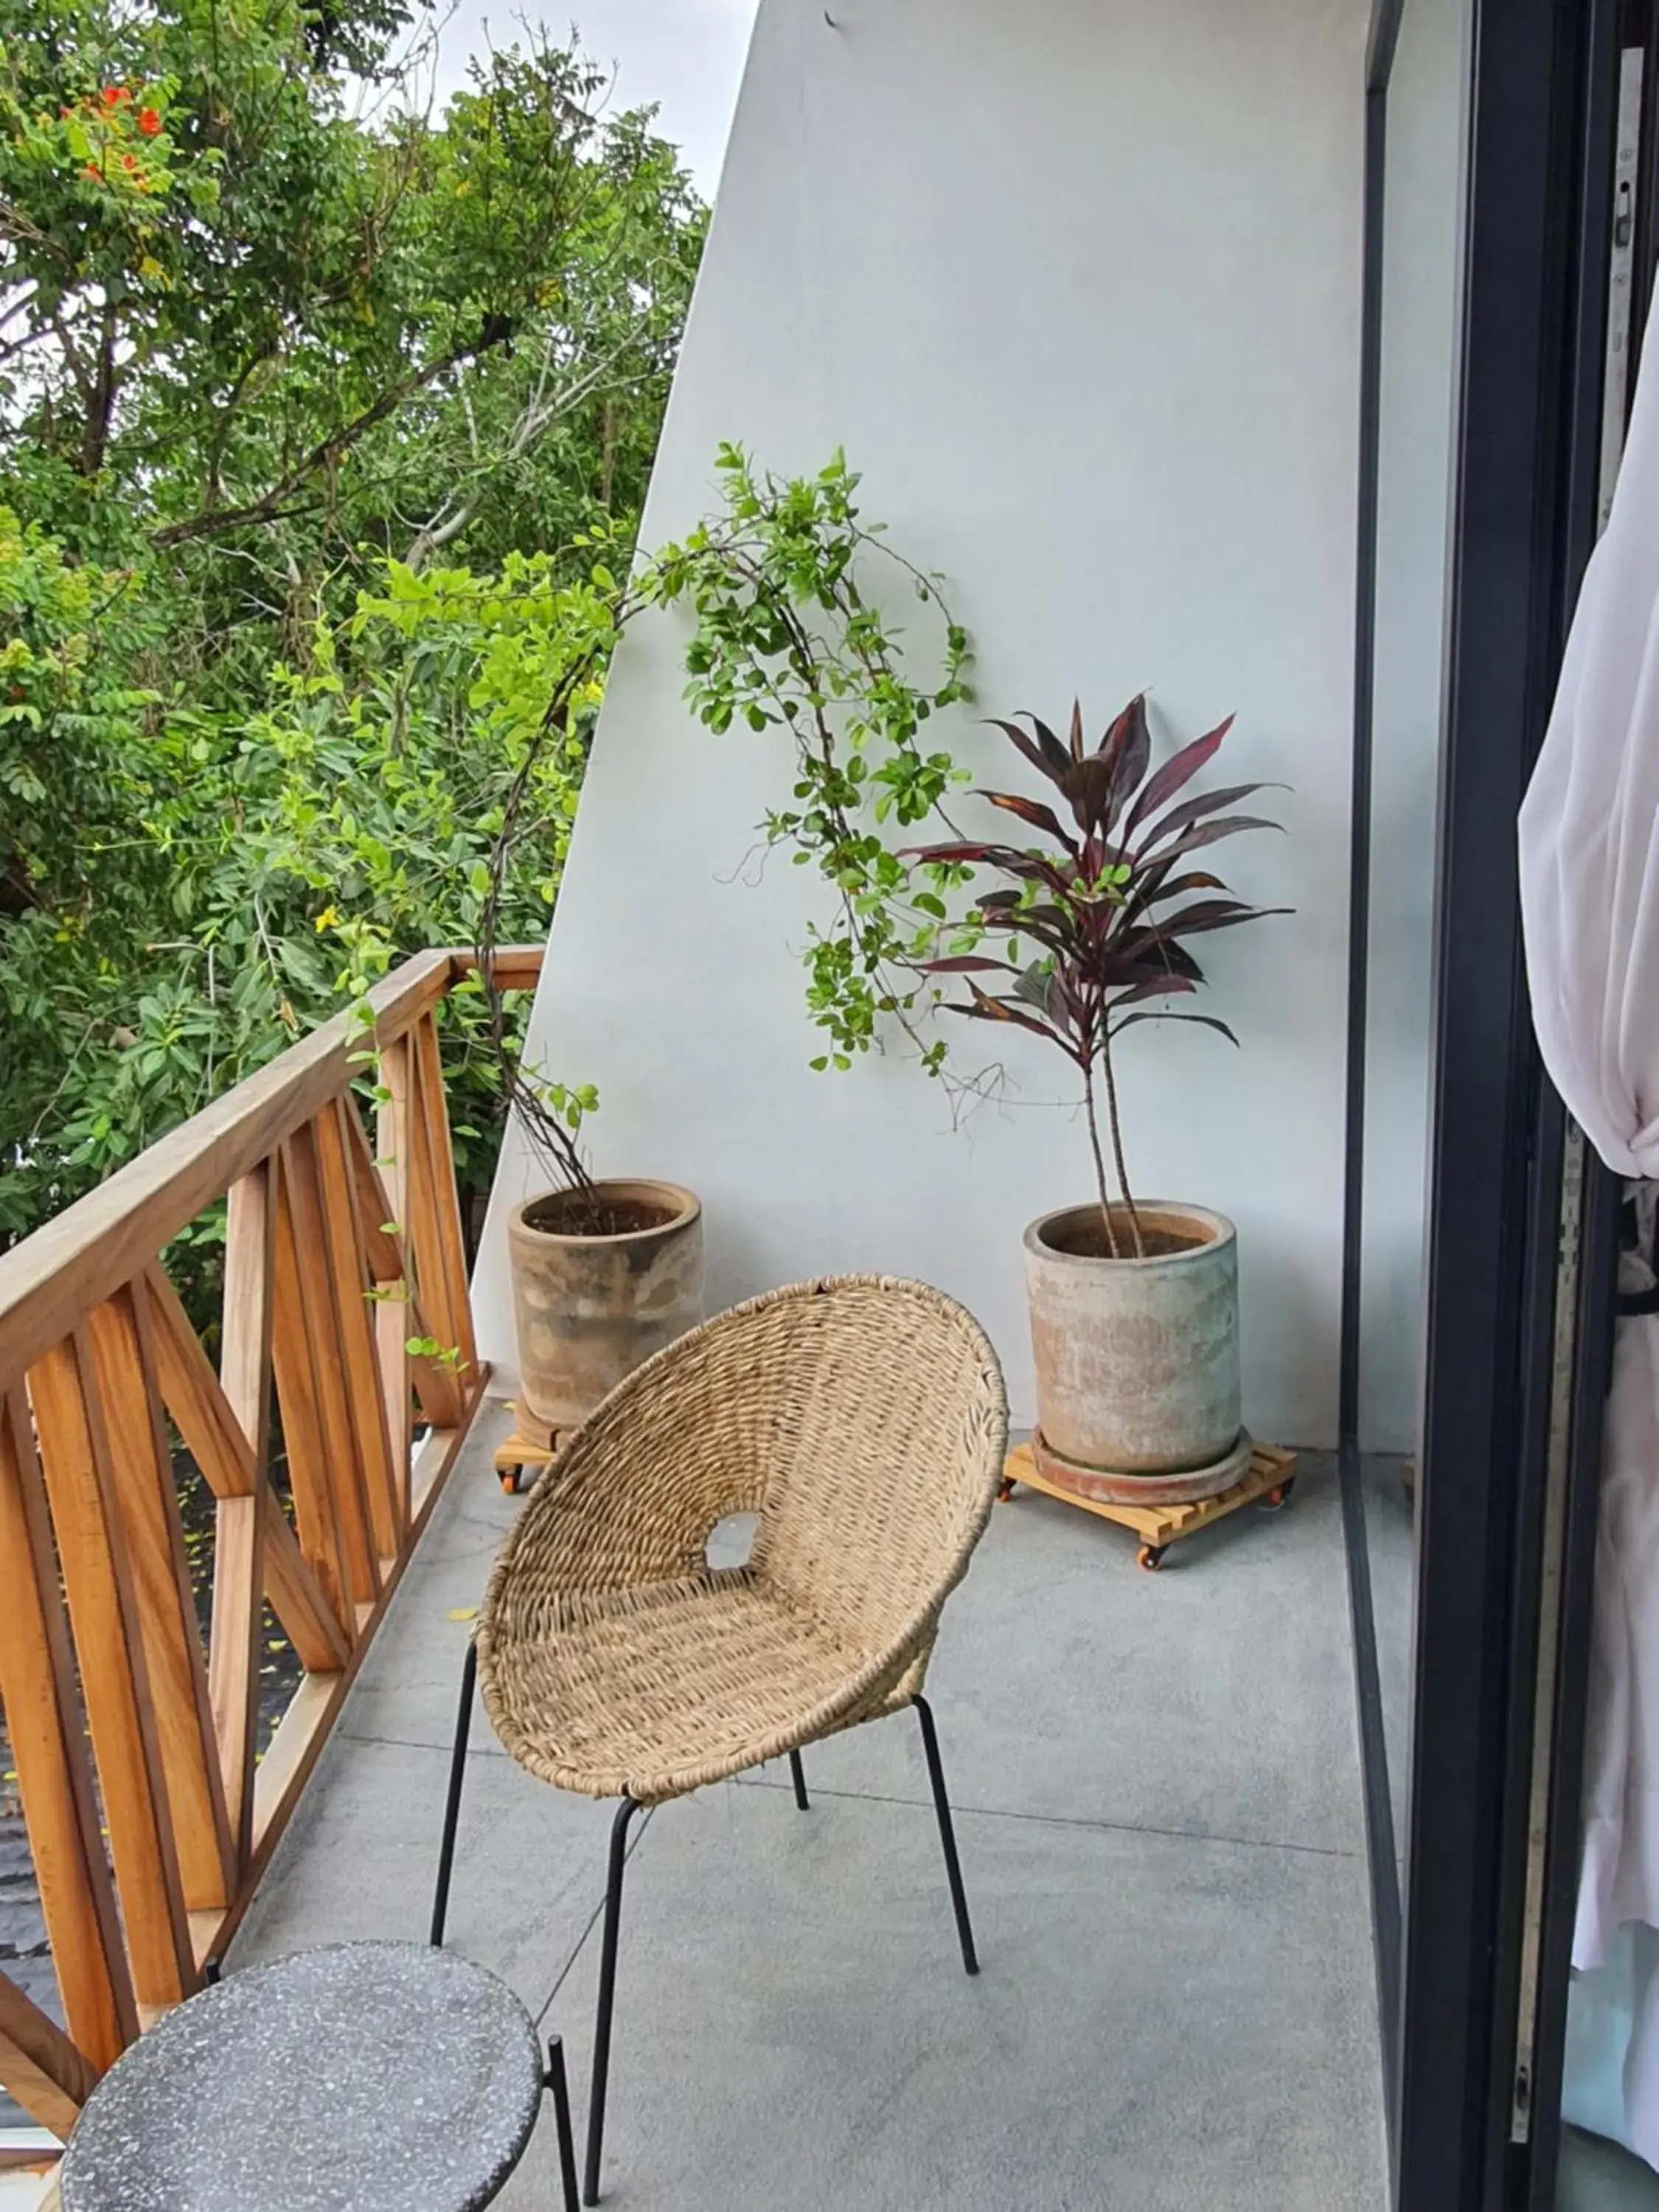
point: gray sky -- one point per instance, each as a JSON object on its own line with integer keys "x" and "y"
{"x": 686, "y": 56}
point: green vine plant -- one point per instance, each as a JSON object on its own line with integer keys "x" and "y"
{"x": 787, "y": 586}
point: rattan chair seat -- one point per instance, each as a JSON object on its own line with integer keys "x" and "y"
{"x": 862, "y": 1419}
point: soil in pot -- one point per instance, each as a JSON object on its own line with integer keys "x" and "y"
{"x": 585, "y": 1213}
{"x": 1083, "y": 1234}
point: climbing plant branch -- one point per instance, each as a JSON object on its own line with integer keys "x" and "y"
{"x": 791, "y": 633}
{"x": 789, "y": 590}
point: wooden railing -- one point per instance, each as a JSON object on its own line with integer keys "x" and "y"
{"x": 149, "y": 1818}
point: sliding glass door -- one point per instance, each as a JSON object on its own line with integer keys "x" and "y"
{"x": 1479, "y": 1240}
{"x": 1416, "y": 116}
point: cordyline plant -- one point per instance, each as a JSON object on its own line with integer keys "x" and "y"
{"x": 1110, "y": 903}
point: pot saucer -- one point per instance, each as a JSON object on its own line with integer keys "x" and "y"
{"x": 1108, "y": 1486}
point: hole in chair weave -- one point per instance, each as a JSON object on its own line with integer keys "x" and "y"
{"x": 731, "y": 1539}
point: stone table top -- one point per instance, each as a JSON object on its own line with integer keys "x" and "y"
{"x": 364, "y": 2077}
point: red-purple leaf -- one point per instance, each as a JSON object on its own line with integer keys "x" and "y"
{"x": 1045, "y": 752}
{"x": 968, "y": 855}
{"x": 1209, "y": 833}
{"x": 1069, "y": 946}
{"x": 1091, "y": 788}
{"x": 1126, "y": 749}
{"x": 1207, "y": 1021}
{"x": 1166, "y": 947}
{"x": 1029, "y": 867}
{"x": 1047, "y": 923}
{"x": 1179, "y": 925}
{"x": 1207, "y": 914}
{"x": 1154, "y": 886}
{"x": 967, "y": 963}
{"x": 1145, "y": 959}
{"x": 1047, "y": 740}
{"x": 987, "y": 1009}
{"x": 1194, "y": 809}
{"x": 1161, "y": 987}
{"x": 1030, "y": 809}
{"x": 1178, "y": 770}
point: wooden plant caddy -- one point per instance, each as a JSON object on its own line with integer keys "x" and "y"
{"x": 1272, "y": 1477}
{"x": 530, "y": 1445}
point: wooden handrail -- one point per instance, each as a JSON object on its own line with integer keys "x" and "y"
{"x": 341, "y": 1255}
{"x": 96, "y": 1245}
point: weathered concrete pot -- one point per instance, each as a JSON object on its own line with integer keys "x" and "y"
{"x": 1137, "y": 1360}
{"x": 587, "y": 1308}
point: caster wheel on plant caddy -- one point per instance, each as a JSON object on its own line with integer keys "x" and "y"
{"x": 512, "y": 1479}
{"x": 1150, "y": 1557}
{"x": 1005, "y": 1490}
{"x": 1280, "y": 1495}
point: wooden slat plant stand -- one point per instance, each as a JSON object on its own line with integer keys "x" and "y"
{"x": 1272, "y": 1478}
{"x": 530, "y": 1445}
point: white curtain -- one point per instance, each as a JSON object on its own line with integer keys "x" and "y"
{"x": 1589, "y": 892}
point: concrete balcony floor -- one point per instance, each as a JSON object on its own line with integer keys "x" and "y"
{"x": 1158, "y": 1811}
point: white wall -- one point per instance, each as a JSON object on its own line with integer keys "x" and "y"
{"x": 1077, "y": 286}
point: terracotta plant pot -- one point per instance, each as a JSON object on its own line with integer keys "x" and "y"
{"x": 590, "y": 1304}
{"x": 1137, "y": 1360}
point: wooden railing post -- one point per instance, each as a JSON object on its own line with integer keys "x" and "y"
{"x": 140, "y": 1459}
{"x": 434, "y": 1213}
{"x": 92, "y": 1549}
{"x": 360, "y": 1366}
{"x": 390, "y": 1188}
{"x": 299, "y": 1391}
{"x": 304, "y": 1245}
{"x": 42, "y": 1719}
{"x": 239, "y": 1548}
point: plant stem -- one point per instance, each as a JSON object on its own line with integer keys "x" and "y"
{"x": 1100, "y": 1162}
{"x": 1117, "y": 1150}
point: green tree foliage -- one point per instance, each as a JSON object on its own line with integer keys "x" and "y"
{"x": 314, "y": 407}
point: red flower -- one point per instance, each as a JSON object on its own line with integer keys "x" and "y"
{"x": 128, "y": 161}
{"x": 149, "y": 122}
{"x": 93, "y": 171}
{"x": 114, "y": 95}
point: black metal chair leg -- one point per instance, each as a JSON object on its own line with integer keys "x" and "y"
{"x": 625, "y": 1812}
{"x": 947, "y": 1835}
{"x": 797, "y": 1776}
{"x": 452, "y": 1809}
{"x": 558, "y": 2081}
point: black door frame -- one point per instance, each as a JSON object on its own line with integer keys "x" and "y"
{"x": 1381, "y": 1813}
{"x": 1526, "y": 425}
{"x": 1589, "y": 1242}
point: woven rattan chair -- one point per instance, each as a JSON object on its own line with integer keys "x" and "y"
{"x": 863, "y": 1421}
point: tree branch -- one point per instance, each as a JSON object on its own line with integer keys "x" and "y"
{"x": 326, "y": 453}
{"x": 533, "y": 420}
{"x": 14, "y": 224}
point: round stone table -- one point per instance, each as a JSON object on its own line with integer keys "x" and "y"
{"x": 366, "y": 2077}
